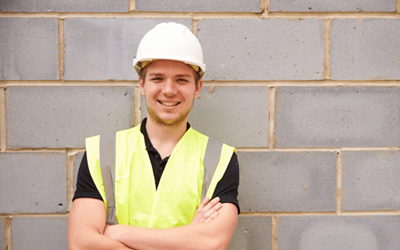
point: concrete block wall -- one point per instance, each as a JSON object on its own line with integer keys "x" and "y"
{"x": 307, "y": 91}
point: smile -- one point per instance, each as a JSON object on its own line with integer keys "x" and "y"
{"x": 169, "y": 104}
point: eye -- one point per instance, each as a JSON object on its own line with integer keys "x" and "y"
{"x": 182, "y": 80}
{"x": 156, "y": 79}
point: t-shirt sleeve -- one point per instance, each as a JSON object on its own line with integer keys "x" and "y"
{"x": 85, "y": 187}
{"x": 227, "y": 187}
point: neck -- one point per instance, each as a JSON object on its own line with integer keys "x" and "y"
{"x": 165, "y": 137}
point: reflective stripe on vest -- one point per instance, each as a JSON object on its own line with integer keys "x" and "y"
{"x": 211, "y": 159}
{"x": 107, "y": 163}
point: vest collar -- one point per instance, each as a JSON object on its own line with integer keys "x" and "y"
{"x": 147, "y": 142}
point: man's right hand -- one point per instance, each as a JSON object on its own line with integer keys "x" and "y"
{"x": 207, "y": 210}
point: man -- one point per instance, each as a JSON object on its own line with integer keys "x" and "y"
{"x": 148, "y": 187}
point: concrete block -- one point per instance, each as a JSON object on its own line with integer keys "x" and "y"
{"x": 371, "y": 180}
{"x": 29, "y": 48}
{"x": 2, "y": 118}
{"x": 337, "y": 117}
{"x": 237, "y": 116}
{"x": 63, "y": 116}
{"x": 104, "y": 48}
{"x": 343, "y": 232}
{"x": 285, "y": 181}
{"x": 2, "y": 236}
{"x": 33, "y": 182}
{"x": 262, "y": 49}
{"x": 365, "y": 49}
{"x": 252, "y": 233}
{"x": 64, "y": 6}
{"x": 199, "y": 6}
{"x": 332, "y": 6}
{"x": 77, "y": 164}
{"x": 40, "y": 233}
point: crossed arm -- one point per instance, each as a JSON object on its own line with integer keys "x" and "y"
{"x": 212, "y": 228}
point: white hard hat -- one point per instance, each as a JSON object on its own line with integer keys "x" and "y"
{"x": 170, "y": 41}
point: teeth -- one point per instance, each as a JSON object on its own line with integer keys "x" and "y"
{"x": 169, "y": 103}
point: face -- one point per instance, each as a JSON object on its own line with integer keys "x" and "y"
{"x": 170, "y": 91}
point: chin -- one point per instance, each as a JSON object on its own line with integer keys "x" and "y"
{"x": 166, "y": 119}
{"x": 170, "y": 122}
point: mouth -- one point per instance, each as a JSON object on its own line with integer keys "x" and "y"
{"x": 169, "y": 104}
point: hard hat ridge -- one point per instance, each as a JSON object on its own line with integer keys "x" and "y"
{"x": 170, "y": 41}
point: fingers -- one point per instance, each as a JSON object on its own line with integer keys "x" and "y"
{"x": 214, "y": 215}
{"x": 213, "y": 212}
{"x": 213, "y": 202}
{"x": 206, "y": 206}
{"x": 211, "y": 209}
{"x": 203, "y": 203}
{"x": 207, "y": 210}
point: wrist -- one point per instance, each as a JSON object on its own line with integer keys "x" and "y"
{"x": 125, "y": 234}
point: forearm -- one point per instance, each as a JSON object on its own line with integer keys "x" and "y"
{"x": 214, "y": 234}
{"x": 86, "y": 224}
{"x": 90, "y": 240}
{"x": 190, "y": 237}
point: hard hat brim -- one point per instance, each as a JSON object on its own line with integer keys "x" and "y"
{"x": 137, "y": 64}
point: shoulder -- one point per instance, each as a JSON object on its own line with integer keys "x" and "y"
{"x": 85, "y": 187}
{"x": 227, "y": 187}
{"x": 115, "y": 133}
{"x": 208, "y": 138}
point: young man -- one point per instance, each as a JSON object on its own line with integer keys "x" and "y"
{"x": 148, "y": 187}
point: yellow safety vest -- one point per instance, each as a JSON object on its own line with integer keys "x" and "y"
{"x": 122, "y": 172}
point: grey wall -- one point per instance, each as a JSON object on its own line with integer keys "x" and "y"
{"x": 307, "y": 91}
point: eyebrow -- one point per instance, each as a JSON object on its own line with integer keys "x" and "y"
{"x": 187, "y": 75}
{"x": 155, "y": 74}
{"x": 160, "y": 74}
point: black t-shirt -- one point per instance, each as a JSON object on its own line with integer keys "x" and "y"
{"x": 226, "y": 189}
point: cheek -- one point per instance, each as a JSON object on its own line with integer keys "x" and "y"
{"x": 189, "y": 92}
{"x": 148, "y": 90}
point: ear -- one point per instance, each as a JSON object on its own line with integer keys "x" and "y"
{"x": 141, "y": 85}
{"x": 198, "y": 88}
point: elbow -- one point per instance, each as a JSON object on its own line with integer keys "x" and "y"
{"x": 72, "y": 246}
{"x": 75, "y": 247}
{"x": 78, "y": 245}
{"x": 217, "y": 241}
{"x": 218, "y": 244}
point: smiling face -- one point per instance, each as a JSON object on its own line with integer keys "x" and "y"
{"x": 170, "y": 91}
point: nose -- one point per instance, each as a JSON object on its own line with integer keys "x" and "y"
{"x": 169, "y": 87}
